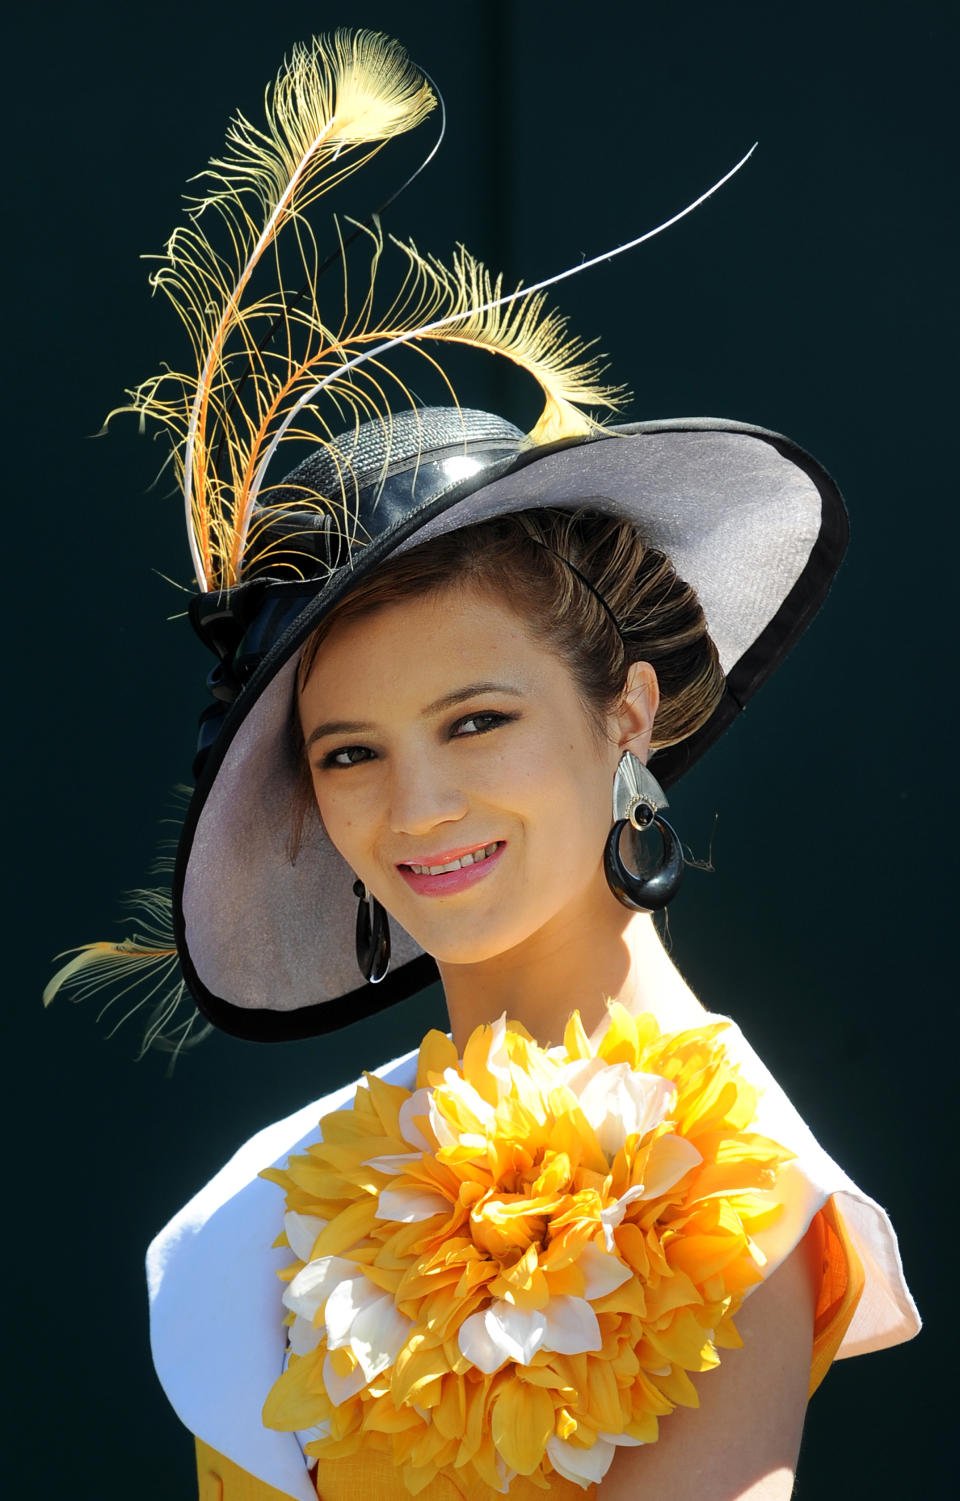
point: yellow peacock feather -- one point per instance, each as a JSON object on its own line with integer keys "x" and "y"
{"x": 144, "y": 968}
{"x": 264, "y": 357}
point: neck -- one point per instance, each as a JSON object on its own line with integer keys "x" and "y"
{"x": 576, "y": 963}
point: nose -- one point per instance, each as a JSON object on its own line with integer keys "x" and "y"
{"x": 422, "y": 797}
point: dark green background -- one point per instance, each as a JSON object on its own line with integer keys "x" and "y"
{"x": 815, "y": 296}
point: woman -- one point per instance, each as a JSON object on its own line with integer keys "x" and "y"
{"x": 445, "y": 650}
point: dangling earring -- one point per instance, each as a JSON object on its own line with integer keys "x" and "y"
{"x": 637, "y": 799}
{"x": 373, "y": 935}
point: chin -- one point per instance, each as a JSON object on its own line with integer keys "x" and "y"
{"x": 453, "y": 948}
{"x": 467, "y": 953}
{"x": 477, "y": 937}
{"x": 456, "y": 942}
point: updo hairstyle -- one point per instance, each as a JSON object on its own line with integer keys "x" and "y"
{"x": 660, "y": 618}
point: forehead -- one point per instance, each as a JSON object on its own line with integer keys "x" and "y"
{"x": 432, "y": 641}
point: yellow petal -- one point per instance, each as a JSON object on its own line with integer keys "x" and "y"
{"x": 521, "y": 1423}
{"x": 682, "y": 1343}
{"x": 351, "y": 1225}
{"x": 417, "y": 1368}
{"x": 678, "y": 1291}
{"x": 437, "y": 1053}
{"x": 298, "y": 1399}
{"x": 450, "y": 1413}
{"x": 678, "y": 1388}
{"x": 602, "y": 1399}
{"x": 475, "y": 1070}
{"x": 386, "y": 1100}
{"x": 575, "y": 1039}
{"x": 381, "y": 1416}
{"x": 619, "y": 1043}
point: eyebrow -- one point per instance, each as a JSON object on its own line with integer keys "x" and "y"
{"x": 448, "y": 701}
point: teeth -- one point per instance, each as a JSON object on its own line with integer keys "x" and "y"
{"x": 471, "y": 859}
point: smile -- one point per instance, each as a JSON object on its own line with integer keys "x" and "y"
{"x": 472, "y": 857}
{"x": 446, "y": 876}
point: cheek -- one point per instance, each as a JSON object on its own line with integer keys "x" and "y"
{"x": 342, "y": 819}
{"x": 568, "y": 799}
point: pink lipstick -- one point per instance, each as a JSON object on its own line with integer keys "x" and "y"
{"x": 452, "y": 870}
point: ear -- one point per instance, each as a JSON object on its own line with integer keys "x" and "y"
{"x": 637, "y": 710}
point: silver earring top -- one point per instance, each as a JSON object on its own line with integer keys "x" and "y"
{"x": 637, "y": 795}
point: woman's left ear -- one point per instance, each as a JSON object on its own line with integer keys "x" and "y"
{"x": 637, "y": 710}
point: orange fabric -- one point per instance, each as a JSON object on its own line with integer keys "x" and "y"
{"x": 841, "y": 1283}
{"x": 371, "y": 1476}
{"x": 363, "y": 1477}
{"x": 219, "y": 1479}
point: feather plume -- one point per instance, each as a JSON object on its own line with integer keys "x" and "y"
{"x": 142, "y": 968}
{"x": 460, "y": 304}
{"x": 265, "y": 356}
{"x": 335, "y": 102}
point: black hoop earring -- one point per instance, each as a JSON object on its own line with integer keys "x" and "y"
{"x": 637, "y": 800}
{"x": 373, "y": 935}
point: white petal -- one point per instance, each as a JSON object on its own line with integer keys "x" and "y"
{"x": 603, "y": 1273}
{"x": 408, "y": 1205}
{"x": 302, "y": 1231}
{"x": 473, "y": 1100}
{"x": 441, "y": 1127}
{"x": 340, "y": 1388}
{"x": 584, "y": 1467}
{"x": 303, "y": 1336}
{"x": 477, "y": 1346}
{"x": 498, "y": 1059}
{"x": 577, "y": 1075}
{"x": 312, "y": 1286}
{"x": 347, "y": 1300}
{"x": 311, "y": 1435}
{"x": 501, "y": 1332}
{"x": 504, "y": 1475}
{"x": 619, "y": 1102}
{"x": 417, "y": 1105}
{"x": 670, "y": 1158}
{"x": 520, "y": 1331}
{"x": 377, "y": 1334}
{"x": 611, "y": 1217}
{"x": 396, "y": 1162}
{"x": 572, "y": 1327}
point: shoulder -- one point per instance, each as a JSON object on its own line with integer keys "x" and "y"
{"x": 864, "y": 1240}
{"x": 239, "y": 1178}
{"x": 215, "y": 1334}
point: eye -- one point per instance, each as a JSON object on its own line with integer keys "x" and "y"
{"x": 347, "y": 755}
{"x": 480, "y": 724}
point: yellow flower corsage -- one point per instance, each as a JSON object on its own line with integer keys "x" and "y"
{"x": 515, "y": 1266}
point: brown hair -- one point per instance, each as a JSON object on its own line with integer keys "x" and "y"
{"x": 520, "y": 558}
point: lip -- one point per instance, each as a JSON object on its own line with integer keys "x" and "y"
{"x": 451, "y": 881}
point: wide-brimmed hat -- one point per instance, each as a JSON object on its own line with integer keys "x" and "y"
{"x": 747, "y": 518}
{"x": 266, "y": 943}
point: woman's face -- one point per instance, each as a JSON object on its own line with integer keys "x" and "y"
{"x": 457, "y": 772}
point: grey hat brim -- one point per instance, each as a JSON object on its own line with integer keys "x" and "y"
{"x": 748, "y": 518}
